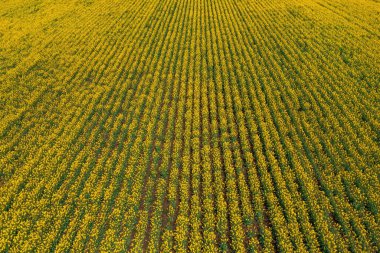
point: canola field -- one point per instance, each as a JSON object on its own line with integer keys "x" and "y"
{"x": 189, "y": 126}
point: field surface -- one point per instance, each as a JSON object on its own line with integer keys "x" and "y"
{"x": 189, "y": 125}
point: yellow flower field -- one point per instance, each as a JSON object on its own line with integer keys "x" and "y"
{"x": 189, "y": 126}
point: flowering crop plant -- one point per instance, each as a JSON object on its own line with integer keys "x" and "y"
{"x": 190, "y": 126}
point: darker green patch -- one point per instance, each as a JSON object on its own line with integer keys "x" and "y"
{"x": 364, "y": 117}
{"x": 247, "y": 221}
{"x": 85, "y": 2}
{"x": 346, "y": 55}
{"x": 223, "y": 247}
{"x": 302, "y": 45}
{"x": 2, "y": 178}
{"x": 371, "y": 206}
{"x": 164, "y": 174}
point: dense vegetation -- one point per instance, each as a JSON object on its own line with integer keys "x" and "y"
{"x": 189, "y": 125}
